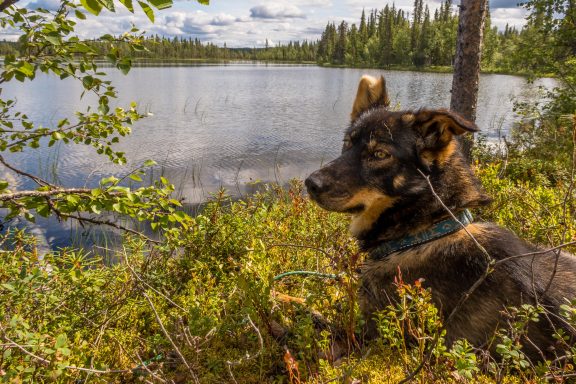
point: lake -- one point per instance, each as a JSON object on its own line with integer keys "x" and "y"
{"x": 226, "y": 125}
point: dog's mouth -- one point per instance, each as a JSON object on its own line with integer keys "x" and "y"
{"x": 355, "y": 209}
{"x": 341, "y": 205}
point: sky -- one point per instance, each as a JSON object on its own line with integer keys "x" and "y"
{"x": 248, "y": 23}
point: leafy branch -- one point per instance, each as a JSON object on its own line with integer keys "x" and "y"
{"x": 48, "y": 44}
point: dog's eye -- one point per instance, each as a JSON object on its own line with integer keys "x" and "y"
{"x": 381, "y": 155}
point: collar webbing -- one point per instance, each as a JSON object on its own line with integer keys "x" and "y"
{"x": 438, "y": 230}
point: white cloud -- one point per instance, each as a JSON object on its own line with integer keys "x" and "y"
{"x": 51, "y": 5}
{"x": 308, "y": 3}
{"x": 511, "y": 16}
{"x": 250, "y": 23}
{"x": 276, "y": 11}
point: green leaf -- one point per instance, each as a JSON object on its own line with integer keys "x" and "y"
{"x": 30, "y": 217}
{"x": 150, "y": 163}
{"x": 80, "y": 15}
{"x": 61, "y": 341}
{"x": 136, "y": 177}
{"x": 124, "y": 65}
{"x": 112, "y": 59}
{"x": 128, "y": 4}
{"x": 54, "y": 39}
{"x": 147, "y": 10}
{"x": 109, "y": 4}
{"x": 92, "y": 6}
{"x": 108, "y": 180}
{"x": 205, "y": 2}
{"x": 26, "y": 69}
{"x": 87, "y": 81}
{"x": 3, "y": 184}
{"x": 72, "y": 199}
{"x": 43, "y": 210}
{"x": 161, "y": 4}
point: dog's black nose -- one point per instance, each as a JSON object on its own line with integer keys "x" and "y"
{"x": 314, "y": 185}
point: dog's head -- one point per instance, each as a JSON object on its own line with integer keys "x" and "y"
{"x": 383, "y": 158}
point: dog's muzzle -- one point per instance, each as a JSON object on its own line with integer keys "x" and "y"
{"x": 315, "y": 185}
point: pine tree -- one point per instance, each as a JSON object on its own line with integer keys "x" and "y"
{"x": 341, "y": 44}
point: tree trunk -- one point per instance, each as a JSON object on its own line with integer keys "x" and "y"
{"x": 467, "y": 63}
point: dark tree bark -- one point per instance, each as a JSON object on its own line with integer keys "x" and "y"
{"x": 467, "y": 63}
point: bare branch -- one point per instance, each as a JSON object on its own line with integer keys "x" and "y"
{"x": 54, "y": 192}
{"x": 463, "y": 298}
{"x": 502, "y": 261}
{"x": 148, "y": 285}
{"x": 36, "y": 179}
{"x": 103, "y": 222}
{"x": 194, "y": 377}
{"x": 230, "y": 364}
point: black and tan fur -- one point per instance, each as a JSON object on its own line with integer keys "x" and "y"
{"x": 379, "y": 179}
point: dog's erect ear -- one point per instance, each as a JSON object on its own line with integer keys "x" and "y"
{"x": 438, "y": 127}
{"x": 371, "y": 93}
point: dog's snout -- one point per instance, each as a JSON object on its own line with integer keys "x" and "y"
{"x": 315, "y": 184}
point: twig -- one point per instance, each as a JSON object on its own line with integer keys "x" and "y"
{"x": 102, "y": 222}
{"x": 194, "y": 377}
{"x": 145, "y": 366}
{"x": 463, "y": 298}
{"x": 229, "y": 364}
{"x": 502, "y": 261}
{"x": 36, "y": 179}
{"x": 427, "y": 178}
{"x": 148, "y": 285}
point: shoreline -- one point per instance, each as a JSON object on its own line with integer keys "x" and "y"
{"x": 409, "y": 68}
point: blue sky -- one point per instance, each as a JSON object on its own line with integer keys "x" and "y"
{"x": 249, "y": 23}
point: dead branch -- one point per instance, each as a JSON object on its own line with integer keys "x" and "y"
{"x": 161, "y": 324}
{"x": 133, "y": 272}
{"x": 36, "y": 179}
{"x": 230, "y": 364}
{"x": 112, "y": 224}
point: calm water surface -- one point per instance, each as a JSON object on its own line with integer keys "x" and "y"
{"x": 227, "y": 125}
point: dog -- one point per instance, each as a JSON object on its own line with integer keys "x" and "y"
{"x": 408, "y": 188}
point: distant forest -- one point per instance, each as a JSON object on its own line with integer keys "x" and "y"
{"x": 386, "y": 38}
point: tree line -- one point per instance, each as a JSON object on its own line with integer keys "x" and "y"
{"x": 385, "y": 38}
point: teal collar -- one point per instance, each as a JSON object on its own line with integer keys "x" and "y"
{"x": 438, "y": 230}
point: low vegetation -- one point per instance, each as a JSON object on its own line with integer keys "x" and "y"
{"x": 213, "y": 300}
{"x": 209, "y": 305}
